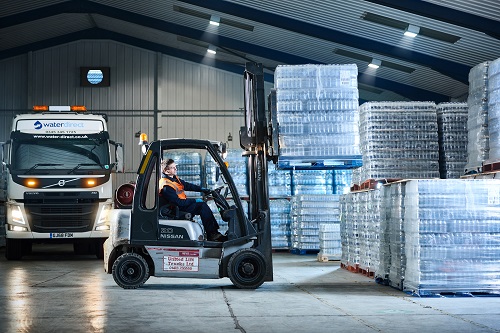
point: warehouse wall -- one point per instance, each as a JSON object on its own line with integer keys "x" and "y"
{"x": 13, "y": 91}
{"x": 192, "y": 100}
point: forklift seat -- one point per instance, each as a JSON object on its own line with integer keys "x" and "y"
{"x": 171, "y": 211}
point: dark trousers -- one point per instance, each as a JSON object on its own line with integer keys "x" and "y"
{"x": 207, "y": 217}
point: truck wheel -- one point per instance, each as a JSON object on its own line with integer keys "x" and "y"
{"x": 14, "y": 249}
{"x": 247, "y": 269}
{"x": 130, "y": 271}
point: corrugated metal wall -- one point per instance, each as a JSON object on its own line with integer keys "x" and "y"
{"x": 192, "y": 100}
{"x": 13, "y": 92}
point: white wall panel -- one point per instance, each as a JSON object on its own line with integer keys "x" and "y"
{"x": 56, "y": 76}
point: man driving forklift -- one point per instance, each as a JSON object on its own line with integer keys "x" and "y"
{"x": 172, "y": 189}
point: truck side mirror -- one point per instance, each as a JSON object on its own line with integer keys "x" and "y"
{"x": 119, "y": 157}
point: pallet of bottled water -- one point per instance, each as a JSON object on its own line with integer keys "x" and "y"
{"x": 452, "y": 234}
{"x": 342, "y": 180}
{"x": 452, "y": 130}
{"x": 308, "y": 211}
{"x": 280, "y": 182}
{"x": 189, "y": 167}
{"x": 237, "y": 167}
{"x": 316, "y": 108}
{"x": 330, "y": 247}
{"x": 360, "y": 230}
{"x": 280, "y": 223}
{"x": 494, "y": 112}
{"x": 312, "y": 182}
{"x": 478, "y": 142}
{"x": 399, "y": 140}
{"x": 392, "y": 257}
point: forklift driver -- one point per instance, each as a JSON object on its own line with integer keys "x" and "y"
{"x": 172, "y": 190}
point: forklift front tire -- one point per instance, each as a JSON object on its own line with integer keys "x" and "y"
{"x": 130, "y": 271}
{"x": 247, "y": 269}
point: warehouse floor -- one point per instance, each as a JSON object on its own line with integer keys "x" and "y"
{"x": 56, "y": 291}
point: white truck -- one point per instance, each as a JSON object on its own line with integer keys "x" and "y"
{"x": 57, "y": 180}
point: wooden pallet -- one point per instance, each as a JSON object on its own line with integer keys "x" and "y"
{"x": 325, "y": 257}
{"x": 371, "y": 184}
{"x": 304, "y": 251}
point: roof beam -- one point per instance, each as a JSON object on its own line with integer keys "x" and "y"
{"x": 71, "y": 6}
{"x": 410, "y": 92}
{"x": 99, "y": 34}
{"x": 451, "y": 69}
{"x": 445, "y": 14}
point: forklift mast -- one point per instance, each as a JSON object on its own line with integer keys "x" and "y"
{"x": 255, "y": 140}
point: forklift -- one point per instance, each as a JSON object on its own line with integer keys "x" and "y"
{"x": 156, "y": 239}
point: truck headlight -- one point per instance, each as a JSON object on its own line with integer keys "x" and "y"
{"x": 17, "y": 228}
{"x": 17, "y": 215}
{"x": 103, "y": 220}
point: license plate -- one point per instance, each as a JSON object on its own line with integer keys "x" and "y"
{"x": 61, "y": 235}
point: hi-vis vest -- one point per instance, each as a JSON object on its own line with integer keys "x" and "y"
{"x": 178, "y": 187}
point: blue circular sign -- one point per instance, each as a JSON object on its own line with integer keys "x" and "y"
{"x": 95, "y": 76}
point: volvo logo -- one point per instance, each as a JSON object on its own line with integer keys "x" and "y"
{"x": 61, "y": 182}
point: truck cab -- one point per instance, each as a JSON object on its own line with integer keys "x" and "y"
{"x": 57, "y": 167}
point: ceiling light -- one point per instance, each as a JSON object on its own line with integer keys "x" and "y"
{"x": 426, "y": 32}
{"x": 365, "y": 58}
{"x": 215, "y": 20}
{"x": 412, "y": 30}
{"x": 375, "y": 63}
{"x": 207, "y": 16}
{"x": 211, "y": 49}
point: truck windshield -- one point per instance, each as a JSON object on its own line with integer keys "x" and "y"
{"x": 74, "y": 153}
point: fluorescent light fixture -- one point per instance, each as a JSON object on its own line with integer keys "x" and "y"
{"x": 375, "y": 63}
{"x": 215, "y": 20}
{"x": 412, "y": 31}
{"x": 211, "y": 49}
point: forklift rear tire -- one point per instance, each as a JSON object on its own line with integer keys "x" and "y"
{"x": 130, "y": 271}
{"x": 247, "y": 269}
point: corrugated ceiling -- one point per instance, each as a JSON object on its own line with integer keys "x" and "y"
{"x": 284, "y": 32}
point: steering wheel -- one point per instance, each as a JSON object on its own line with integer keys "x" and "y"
{"x": 219, "y": 199}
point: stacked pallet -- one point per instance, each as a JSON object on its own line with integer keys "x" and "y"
{"x": 392, "y": 256}
{"x": 317, "y": 111}
{"x": 478, "y": 149}
{"x": 237, "y": 168}
{"x": 360, "y": 230}
{"x": 494, "y": 112}
{"x": 452, "y": 232}
{"x": 399, "y": 140}
{"x": 452, "y": 129}
{"x": 280, "y": 223}
{"x": 308, "y": 212}
{"x": 330, "y": 247}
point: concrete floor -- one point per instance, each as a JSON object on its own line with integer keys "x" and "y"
{"x": 56, "y": 291}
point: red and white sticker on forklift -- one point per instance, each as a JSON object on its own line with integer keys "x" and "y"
{"x": 181, "y": 260}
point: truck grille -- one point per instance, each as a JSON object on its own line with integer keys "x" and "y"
{"x": 67, "y": 213}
